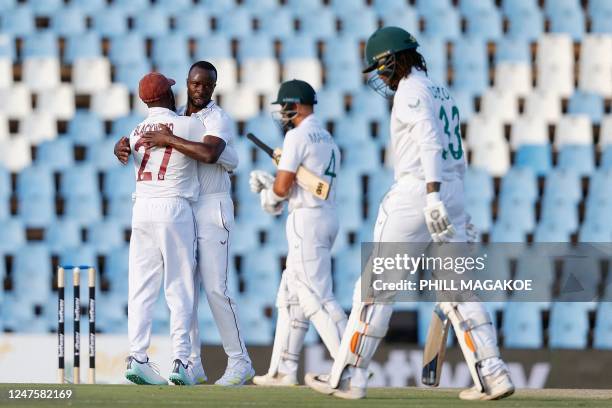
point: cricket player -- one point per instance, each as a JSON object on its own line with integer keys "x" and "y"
{"x": 214, "y": 212}
{"x": 162, "y": 245}
{"x": 424, "y": 204}
{"x": 305, "y": 293}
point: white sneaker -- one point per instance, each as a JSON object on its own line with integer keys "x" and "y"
{"x": 198, "y": 372}
{"x": 236, "y": 374}
{"x": 278, "y": 380}
{"x": 496, "y": 387}
{"x": 182, "y": 374}
{"x": 320, "y": 384}
{"x": 143, "y": 373}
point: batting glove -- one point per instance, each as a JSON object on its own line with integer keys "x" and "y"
{"x": 472, "y": 233}
{"x": 270, "y": 202}
{"x": 437, "y": 220}
{"x": 259, "y": 179}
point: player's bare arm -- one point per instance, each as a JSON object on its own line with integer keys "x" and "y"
{"x": 122, "y": 150}
{"x": 283, "y": 183}
{"x": 207, "y": 151}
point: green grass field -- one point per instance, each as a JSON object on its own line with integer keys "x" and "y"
{"x": 250, "y": 396}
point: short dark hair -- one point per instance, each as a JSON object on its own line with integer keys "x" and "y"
{"x": 204, "y": 65}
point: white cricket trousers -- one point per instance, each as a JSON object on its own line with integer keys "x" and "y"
{"x": 214, "y": 215}
{"x": 162, "y": 250}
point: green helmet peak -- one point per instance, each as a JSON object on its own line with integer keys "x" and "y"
{"x": 384, "y": 42}
{"x": 296, "y": 91}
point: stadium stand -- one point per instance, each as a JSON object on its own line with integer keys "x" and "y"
{"x": 532, "y": 79}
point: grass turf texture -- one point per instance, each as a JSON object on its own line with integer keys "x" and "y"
{"x": 250, "y": 396}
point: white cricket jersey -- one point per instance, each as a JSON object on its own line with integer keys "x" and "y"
{"x": 311, "y": 145}
{"x": 213, "y": 177}
{"x": 165, "y": 172}
{"x": 426, "y": 131}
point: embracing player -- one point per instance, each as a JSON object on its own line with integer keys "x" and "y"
{"x": 305, "y": 293}
{"x": 162, "y": 245}
{"x": 424, "y": 204}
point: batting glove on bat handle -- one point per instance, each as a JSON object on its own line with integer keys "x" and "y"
{"x": 437, "y": 219}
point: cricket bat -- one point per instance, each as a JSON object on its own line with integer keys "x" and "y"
{"x": 435, "y": 347}
{"x": 305, "y": 178}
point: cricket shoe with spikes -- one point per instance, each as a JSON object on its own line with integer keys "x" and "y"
{"x": 236, "y": 373}
{"x": 278, "y": 380}
{"x": 198, "y": 372}
{"x": 496, "y": 387}
{"x": 182, "y": 374}
{"x": 320, "y": 384}
{"x": 143, "y": 373}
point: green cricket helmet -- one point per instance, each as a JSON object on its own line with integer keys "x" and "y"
{"x": 296, "y": 91}
{"x": 385, "y": 42}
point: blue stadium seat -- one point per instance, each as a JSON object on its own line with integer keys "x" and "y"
{"x": 522, "y": 325}
{"x": 55, "y": 154}
{"x": 599, "y": 7}
{"x": 519, "y": 183}
{"x": 128, "y": 48}
{"x": 84, "y": 45}
{"x": 255, "y": 46}
{"x": 600, "y": 23}
{"x": 7, "y": 5}
{"x": 119, "y": 182}
{"x": 7, "y": 46}
{"x": 304, "y": 6}
{"x": 110, "y": 21}
{"x": 5, "y": 183}
{"x": 591, "y": 104}
{"x": 61, "y": 235}
{"x": 80, "y": 255}
{"x": 85, "y": 127}
{"x": 404, "y": 17}
{"x": 552, "y": 7}
{"x": 32, "y": 275}
{"x": 517, "y": 210}
{"x": 470, "y": 64}
{"x": 597, "y": 212}
{"x": 560, "y": 212}
{"x": 298, "y": 46}
{"x": 217, "y": 46}
{"x": 130, "y": 74}
{"x": 526, "y": 24}
{"x": 480, "y": 211}
{"x": 79, "y": 181}
{"x": 431, "y": 7}
{"x": 105, "y": 237}
{"x": 68, "y": 21}
{"x": 264, "y": 126}
{"x": 276, "y": 23}
{"x": 178, "y": 43}
{"x": 120, "y": 210}
{"x": 379, "y": 183}
{"x": 132, "y": 6}
{"x": 579, "y": 158}
{"x": 101, "y": 155}
{"x": 507, "y": 232}
{"x": 536, "y": 157}
{"x": 606, "y": 158}
{"x": 40, "y": 44}
{"x": 602, "y": 336}
{"x": 512, "y": 49}
{"x": 124, "y": 125}
{"x": 177, "y": 71}
{"x": 569, "y": 326}
{"x": 116, "y": 269}
{"x": 594, "y": 232}
{"x": 510, "y": 7}
{"x": 320, "y": 24}
{"x": 434, "y": 51}
{"x": 550, "y": 231}
{"x": 444, "y": 24}
{"x": 365, "y": 105}
{"x": 35, "y": 181}
{"x": 563, "y": 185}
{"x": 37, "y": 211}
{"x": 571, "y": 22}
{"x": 12, "y": 234}
{"x": 485, "y": 23}
{"x": 351, "y": 130}
{"x": 18, "y": 21}
{"x": 196, "y": 23}
{"x": 176, "y": 6}
{"x": 238, "y": 23}
{"x": 83, "y": 209}
{"x": 359, "y": 23}
{"x": 88, "y": 6}
{"x": 152, "y": 22}
{"x": 465, "y": 103}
